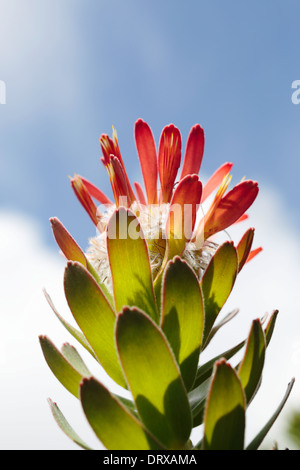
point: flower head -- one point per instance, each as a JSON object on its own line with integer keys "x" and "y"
{"x": 167, "y": 207}
{"x": 146, "y": 296}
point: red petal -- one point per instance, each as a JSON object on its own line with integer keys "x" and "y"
{"x": 96, "y": 192}
{"x": 231, "y": 207}
{"x": 169, "y": 156}
{"x": 193, "y": 152}
{"x": 122, "y": 191}
{"x": 254, "y": 253}
{"x": 242, "y": 218}
{"x": 110, "y": 147}
{"x": 215, "y": 180}
{"x": 66, "y": 242}
{"x": 140, "y": 193}
{"x": 148, "y": 159}
{"x": 182, "y": 214}
{"x": 85, "y": 198}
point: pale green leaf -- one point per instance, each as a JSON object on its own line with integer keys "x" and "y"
{"x": 70, "y": 328}
{"x": 69, "y": 377}
{"x": 256, "y": 442}
{"x": 65, "y": 426}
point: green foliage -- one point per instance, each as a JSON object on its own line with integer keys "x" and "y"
{"x": 182, "y": 317}
{"x": 293, "y": 427}
{"x": 224, "y": 420}
{"x": 148, "y": 336}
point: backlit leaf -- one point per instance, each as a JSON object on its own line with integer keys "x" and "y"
{"x": 224, "y": 419}
{"x": 130, "y": 265}
{"x": 154, "y": 378}
{"x": 244, "y": 247}
{"x": 206, "y": 369}
{"x": 73, "y": 252}
{"x": 270, "y": 326}
{"x": 70, "y": 328}
{"x": 183, "y": 316}
{"x": 94, "y": 316}
{"x": 197, "y": 396}
{"x": 251, "y": 367}
{"x": 69, "y": 377}
{"x": 113, "y": 424}
{"x": 217, "y": 282}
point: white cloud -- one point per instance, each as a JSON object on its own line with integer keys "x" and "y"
{"x": 27, "y": 266}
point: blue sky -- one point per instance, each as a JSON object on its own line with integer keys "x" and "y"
{"x": 74, "y": 68}
{"x": 72, "y": 72}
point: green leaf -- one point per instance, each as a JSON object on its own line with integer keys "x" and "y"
{"x": 197, "y": 396}
{"x": 270, "y": 326}
{"x": 251, "y": 367}
{"x": 112, "y": 423}
{"x": 65, "y": 426}
{"x": 69, "y": 377}
{"x": 157, "y": 285}
{"x": 73, "y": 331}
{"x": 94, "y": 316}
{"x": 217, "y": 283}
{"x": 256, "y": 442}
{"x": 66, "y": 242}
{"x": 205, "y": 370}
{"x": 72, "y": 250}
{"x": 183, "y": 316}
{"x": 244, "y": 247}
{"x": 197, "y": 400}
{"x": 69, "y": 368}
{"x": 73, "y": 357}
{"x": 154, "y": 378}
{"x": 130, "y": 264}
{"x": 223, "y": 322}
{"x": 224, "y": 421}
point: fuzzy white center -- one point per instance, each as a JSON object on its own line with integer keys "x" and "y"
{"x": 152, "y": 220}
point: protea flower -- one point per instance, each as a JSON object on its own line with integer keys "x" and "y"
{"x": 146, "y": 296}
{"x": 169, "y": 210}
